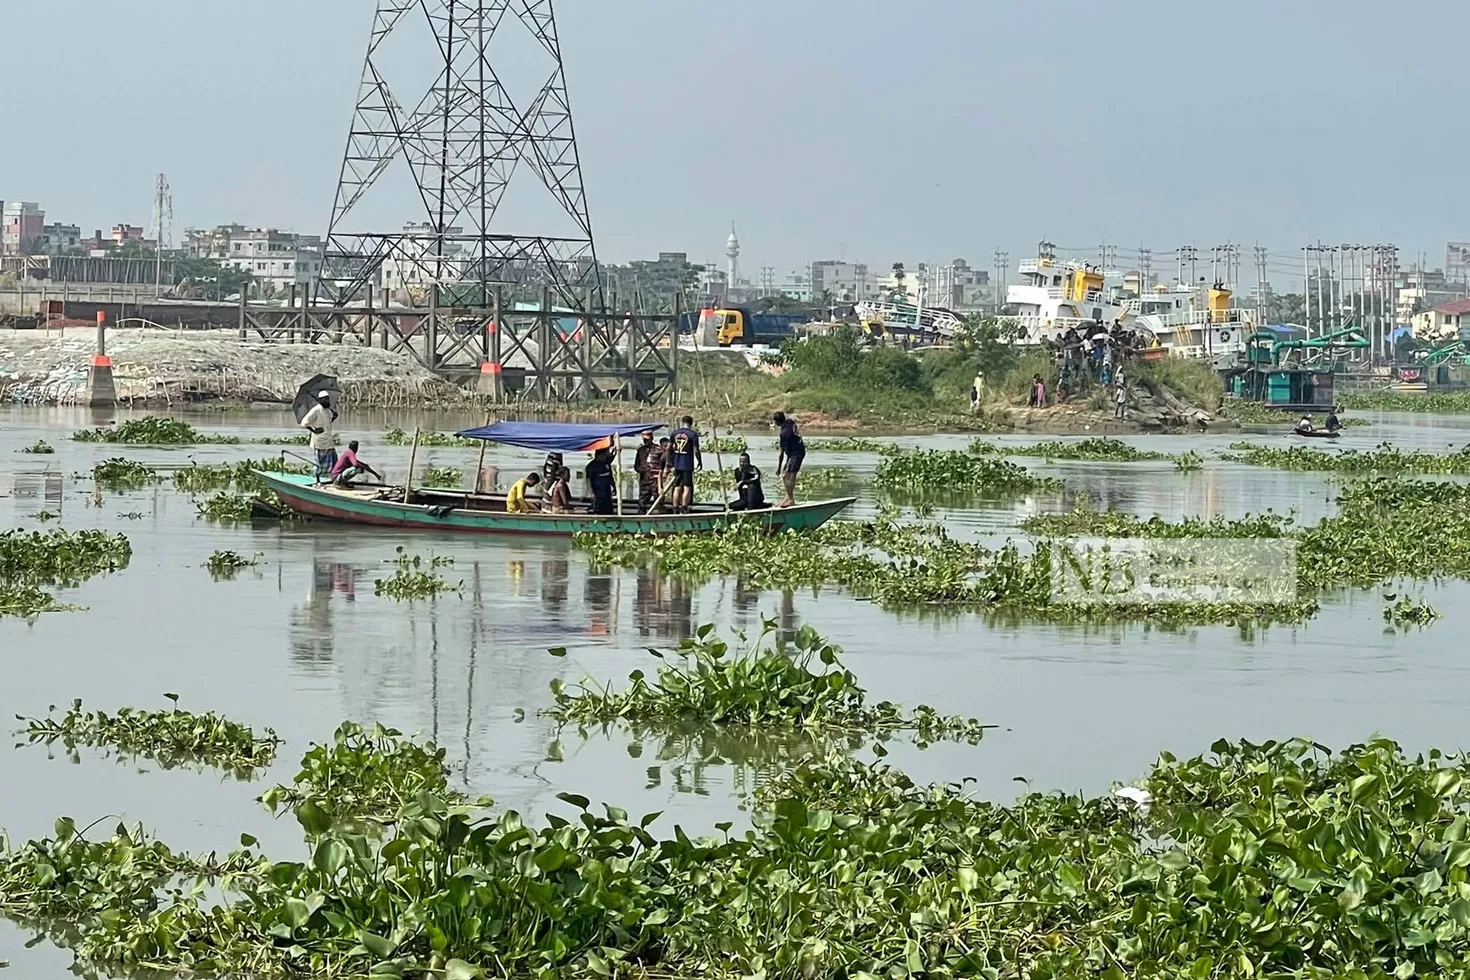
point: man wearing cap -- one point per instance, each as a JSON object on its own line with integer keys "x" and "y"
{"x": 318, "y": 421}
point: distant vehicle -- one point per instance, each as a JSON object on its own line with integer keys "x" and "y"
{"x": 738, "y": 325}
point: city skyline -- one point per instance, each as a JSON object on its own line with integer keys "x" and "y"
{"x": 791, "y": 131}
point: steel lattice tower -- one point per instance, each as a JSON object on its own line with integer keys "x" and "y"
{"x": 463, "y": 142}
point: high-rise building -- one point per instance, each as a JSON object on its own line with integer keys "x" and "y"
{"x": 21, "y": 225}
{"x": 841, "y": 282}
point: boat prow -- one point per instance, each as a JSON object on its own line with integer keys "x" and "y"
{"x": 434, "y": 509}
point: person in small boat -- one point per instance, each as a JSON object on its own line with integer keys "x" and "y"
{"x": 318, "y": 421}
{"x": 647, "y": 487}
{"x": 516, "y": 502}
{"x": 1333, "y": 423}
{"x": 791, "y": 453}
{"x": 559, "y": 494}
{"x": 550, "y": 469}
{"x": 349, "y": 466}
{"x": 748, "y": 491}
{"x": 657, "y": 465}
{"x": 685, "y": 458}
{"x": 600, "y": 482}
{"x": 1305, "y": 426}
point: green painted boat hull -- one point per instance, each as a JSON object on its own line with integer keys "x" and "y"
{"x": 459, "y": 511}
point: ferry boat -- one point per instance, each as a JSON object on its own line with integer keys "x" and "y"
{"x": 1055, "y": 296}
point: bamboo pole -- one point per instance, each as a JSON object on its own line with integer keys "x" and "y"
{"x": 618, "y": 455}
{"x": 480, "y": 463}
{"x": 720, "y": 465}
{"x": 413, "y": 455}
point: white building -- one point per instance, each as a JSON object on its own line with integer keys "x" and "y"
{"x": 406, "y": 275}
{"x": 846, "y": 282}
{"x": 277, "y": 259}
{"x": 797, "y": 285}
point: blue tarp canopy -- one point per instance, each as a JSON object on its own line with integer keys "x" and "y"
{"x": 571, "y": 437}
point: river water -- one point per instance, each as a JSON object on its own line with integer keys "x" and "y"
{"x": 301, "y": 643}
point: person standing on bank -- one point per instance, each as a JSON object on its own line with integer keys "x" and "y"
{"x": 791, "y": 454}
{"x": 318, "y": 421}
{"x": 684, "y": 451}
{"x": 1120, "y": 400}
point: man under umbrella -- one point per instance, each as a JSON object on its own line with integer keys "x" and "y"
{"x": 318, "y": 421}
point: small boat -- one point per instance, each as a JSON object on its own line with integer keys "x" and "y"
{"x": 1317, "y": 433}
{"x": 438, "y": 509}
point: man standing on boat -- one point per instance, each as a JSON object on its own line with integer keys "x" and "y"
{"x": 318, "y": 421}
{"x": 684, "y": 448}
{"x": 646, "y": 486}
{"x": 600, "y": 482}
{"x": 790, "y": 454}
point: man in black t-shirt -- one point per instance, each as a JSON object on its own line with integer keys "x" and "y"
{"x": 685, "y": 458}
{"x": 792, "y": 453}
{"x": 748, "y": 491}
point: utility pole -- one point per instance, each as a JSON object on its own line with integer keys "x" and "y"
{"x": 1145, "y": 269}
{"x": 163, "y": 214}
{"x": 1263, "y": 287}
{"x": 1002, "y": 269}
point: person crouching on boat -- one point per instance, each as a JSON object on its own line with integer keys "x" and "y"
{"x": 515, "y": 501}
{"x": 559, "y": 494}
{"x": 349, "y": 466}
{"x": 318, "y": 421}
{"x": 1305, "y": 426}
{"x": 600, "y": 482}
{"x": 748, "y": 491}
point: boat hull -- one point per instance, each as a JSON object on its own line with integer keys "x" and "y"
{"x": 302, "y": 495}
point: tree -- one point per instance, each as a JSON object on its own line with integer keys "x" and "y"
{"x": 900, "y": 292}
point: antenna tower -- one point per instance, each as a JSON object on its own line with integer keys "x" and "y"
{"x": 462, "y": 142}
{"x": 163, "y": 219}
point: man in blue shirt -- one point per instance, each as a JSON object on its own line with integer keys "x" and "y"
{"x": 684, "y": 450}
{"x": 791, "y": 453}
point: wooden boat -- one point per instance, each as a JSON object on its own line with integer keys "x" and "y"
{"x": 439, "y": 509}
{"x": 461, "y": 510}
{"x": 1317, "y": 433}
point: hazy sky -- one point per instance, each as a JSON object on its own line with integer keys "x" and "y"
{"x": 916, "y": 130}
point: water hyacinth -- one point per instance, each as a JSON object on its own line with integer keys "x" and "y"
{"x": 1384, "y": 459}
{"x": 224, "y": 564}
{"x": 847, "y": 444}
{"x": 243, "y": 476}
{"x": 762, "y": 687}
{"x": 152, "y": 431}
{"x": 226, "y": 508}
{"x": 170, "y": 738}
{"x": 956, "y": 472}
{"x": 415, "y": 577}
{"x": 39, "y": 448}
{"x": 1095, "y": 449}
{"x": 31, "y": 561}
{"x": 397, "y": 437}
{"x": 123, "y": 474}
{"x": 1281, "y": 859}
{"x": 447, "y": 477}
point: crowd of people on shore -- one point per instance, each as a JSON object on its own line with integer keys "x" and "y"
{"x": 1094, "y": 356}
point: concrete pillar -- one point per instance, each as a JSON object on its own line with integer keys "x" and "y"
{"x": 100, "y": 392}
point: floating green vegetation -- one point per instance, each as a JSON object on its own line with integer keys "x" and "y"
{"x": 729, "y": 443}
{"x": 45, "y": 515}
{"x": 123, "y": 474}
{"x": 39, "y": 448}
{"x": 415, "y": 577}
{"x": 1406, "y": 611}
{"x": 132, "y": 515}
{"x": 226, "y": 508}
{"x": 1446, "y": 403}
{"x": 243, "y": 475}
{"x": 956, "y": 472}
{"x": 397, "y": 437}
{"x": 1096, "y": 449}
{"x": 224, "y": 564}
{"x": 365, "y": 775}
{"x": 1275, "y": 860}
{"x": 1384, "y": 459}
{"x": 170, "y": 738}
{"x": 152, "y": 431}
{"x": 762, "y": 687}
{"x": 448, "y": 477}
{"x": 1189, "y": 462}
{"x": 811, "y": 479}
{"x": 302, "y": 439}
{"x": 847, "y": 444}
{"x": 1115, "y": 524}
{"x": 904, "y": 566}
{"x": 29, "y": 562}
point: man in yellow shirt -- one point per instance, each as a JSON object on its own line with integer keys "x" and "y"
{"x": 515, "y": 501}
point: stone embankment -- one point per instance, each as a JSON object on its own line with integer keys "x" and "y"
{"x": 154, "y": 367}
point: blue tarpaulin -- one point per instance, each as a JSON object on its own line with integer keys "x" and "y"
{"x": 569, "y": 437}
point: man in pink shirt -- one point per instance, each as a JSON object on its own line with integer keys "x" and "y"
{"x": 350, "y": 466}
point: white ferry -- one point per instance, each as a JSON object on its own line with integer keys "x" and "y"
{"x": 1055, "y": 296}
